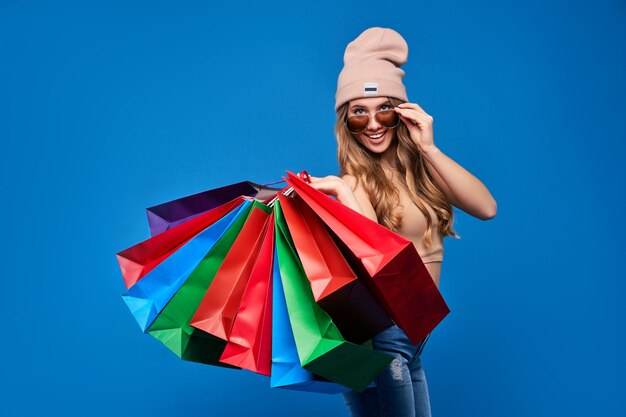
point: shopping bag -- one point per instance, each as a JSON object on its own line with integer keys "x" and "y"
{"x": 172, "y": 328}
{"x": 286, "y": 371}
{"x": 167, "y": 215}
{"x": 149, "y": 296}
{"x": 321, "y": 348}
{"x": 389, "y": 264}
{"x": 218, "y": 308}
{"x": 249, "y": 345}
{"x": 138, "y": 260}
{"x": 334, "y": 285}
{"x": 270, "y": 315}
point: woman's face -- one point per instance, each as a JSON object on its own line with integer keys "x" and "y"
{"x": 376, "y": 137}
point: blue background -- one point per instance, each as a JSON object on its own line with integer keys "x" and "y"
{"x": 109, "y": 108}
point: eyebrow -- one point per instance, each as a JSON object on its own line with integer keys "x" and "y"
{"x": 359, "y": 106}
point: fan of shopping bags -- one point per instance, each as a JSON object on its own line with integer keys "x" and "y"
{"x": 285, "y": 282}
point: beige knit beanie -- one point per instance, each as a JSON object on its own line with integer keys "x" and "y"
{"x": 371, "y": 66}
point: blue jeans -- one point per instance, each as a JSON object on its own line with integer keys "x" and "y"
{"x": 401, "y": 389}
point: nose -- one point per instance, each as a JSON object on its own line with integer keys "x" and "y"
{"x": 373, "y": 125}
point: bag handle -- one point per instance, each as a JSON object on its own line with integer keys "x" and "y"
{"x": 304, "y": 175}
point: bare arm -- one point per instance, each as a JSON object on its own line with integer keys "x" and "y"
{"x": 462, "y": 189}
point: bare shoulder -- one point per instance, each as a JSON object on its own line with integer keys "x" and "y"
{"x": 354, "y": 183}
{"x": 350, "y": 180}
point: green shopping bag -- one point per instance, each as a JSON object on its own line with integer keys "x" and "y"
{"x": 172, "y": 327}
{"x": 321, "y": 348}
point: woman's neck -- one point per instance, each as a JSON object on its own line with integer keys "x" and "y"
{"x": 388, "y": 158}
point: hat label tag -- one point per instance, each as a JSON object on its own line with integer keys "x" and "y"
{"x": 370, "y": 89}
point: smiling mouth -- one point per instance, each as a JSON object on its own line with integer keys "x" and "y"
{"x": 377, "y": 136}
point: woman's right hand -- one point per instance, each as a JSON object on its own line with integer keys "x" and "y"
{"x": 330, "y": 185}
{"x": 337, "y": 187}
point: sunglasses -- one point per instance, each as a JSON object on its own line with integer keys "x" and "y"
{"x": 387, "y": 118}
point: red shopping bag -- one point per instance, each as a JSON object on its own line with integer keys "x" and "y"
{"x": 138, "y": 260}
{"x": 250, "y": 343}
{"x": 389, "y": 264}
{"x": 335, "y": 286}
{"x": 218, "y": 308}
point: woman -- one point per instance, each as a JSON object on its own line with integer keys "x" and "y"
{"x": 392, "y": 172}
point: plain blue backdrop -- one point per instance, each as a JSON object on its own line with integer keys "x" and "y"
{"x": 108, "y": 108}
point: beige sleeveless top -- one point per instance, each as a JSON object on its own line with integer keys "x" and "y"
{"x": 414, "y": 225}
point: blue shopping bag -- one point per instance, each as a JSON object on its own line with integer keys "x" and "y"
{"x": 148, "y": 296}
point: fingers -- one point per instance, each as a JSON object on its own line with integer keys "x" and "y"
{"x": 408, "y": 116}
{"x": 414, "y": 112}
{"x": 320, "y": 182}
{"x": 407, "y": 120}
{"x": 329, "y": 184}
{"x": 415, "y": 116}
{"x": 411, "y": 105}
{"x": 413, "y": 108}
{"x": 326, "y": 178}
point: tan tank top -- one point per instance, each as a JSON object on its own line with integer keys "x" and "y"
{"x": 414, "y": 225}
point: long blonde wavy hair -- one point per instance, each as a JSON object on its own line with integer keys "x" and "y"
{"x": 356, "y": 160}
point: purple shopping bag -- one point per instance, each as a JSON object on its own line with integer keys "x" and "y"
{"x": 167, "y": 215}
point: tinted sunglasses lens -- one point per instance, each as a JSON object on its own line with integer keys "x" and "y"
{"x": 357, "y": 124}
{"x": 388, "y": 118}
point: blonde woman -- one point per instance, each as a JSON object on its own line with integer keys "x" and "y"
{"x": 393, "y": 173}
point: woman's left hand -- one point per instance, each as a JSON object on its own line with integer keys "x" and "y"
{"x": 419, "y": 123}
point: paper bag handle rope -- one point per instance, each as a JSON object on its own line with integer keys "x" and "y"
{"x": 287, "y": 190}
